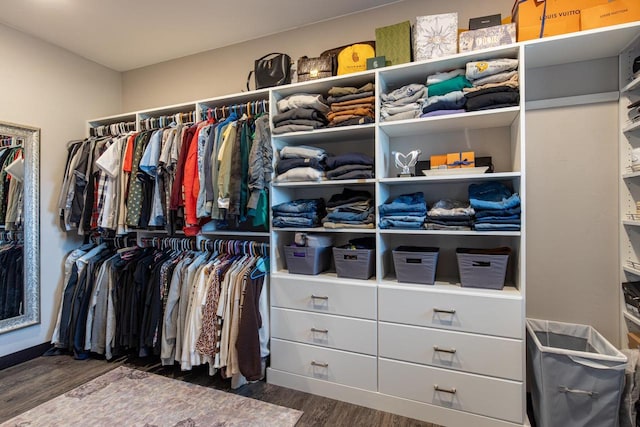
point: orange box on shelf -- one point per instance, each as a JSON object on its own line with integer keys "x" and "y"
{"x": 437, "y": 161}
{"x": 560, "y": 16}
{"x": 611, "y": 13}
{"x": 463, "y": 159}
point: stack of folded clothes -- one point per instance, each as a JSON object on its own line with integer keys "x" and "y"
{"x": 350, "y": 209}
{"x": 300, "y": 112}
{"x": 351, "y": 105}
{"x": 405, "y": 211}
{"x": 349, "y": 166}
{"x": 450, "y": 215}
{"x": 298, "y": 213}
{"x": 495, "y": 84}
{"x": 403, "y": 103}
{"x": 300, "y": 163}
{"x": 445, "y": 95}
{"x": 496, "y": 207}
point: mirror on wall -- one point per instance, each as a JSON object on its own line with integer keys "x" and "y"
{"x": 19, "y": 226}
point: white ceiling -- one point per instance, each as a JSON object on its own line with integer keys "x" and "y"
{"x": 128, "y": 34}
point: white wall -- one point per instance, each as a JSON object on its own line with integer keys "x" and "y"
{"x": 50, "y": 88}
{"x": 224, "y": 71}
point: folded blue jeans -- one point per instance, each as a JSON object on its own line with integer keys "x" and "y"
{"x": 287, "y": 221}
{"x": 299, "y": 205}
{"x": 413, "y": 202}
{"x": 392, "y": 223}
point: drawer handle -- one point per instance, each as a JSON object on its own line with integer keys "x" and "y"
{"x": 444, "y": 350}
{"x": 445, "y": 390}
{"x": 319, "y": 297}
{"x": 321, "y": 331}
{"x": 440, "y": 310}
{"x": 320, "y": 364}
{"x": 565, "y": 389}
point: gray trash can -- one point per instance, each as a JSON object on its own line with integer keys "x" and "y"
{"x": 578, "y": 376}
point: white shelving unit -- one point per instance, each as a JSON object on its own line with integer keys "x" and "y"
{"x": 629, "y": 141}
{"x": 396, "y": 314}
{"x": 378, "y": 342}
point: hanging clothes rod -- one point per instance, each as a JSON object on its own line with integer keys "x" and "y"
{"x": 114, "y": 129}
{"x": 252, "y": 108}
{"x": 11, "y": 236}
{"x": 235, "y": 247}
{"x": 164, "y": 121}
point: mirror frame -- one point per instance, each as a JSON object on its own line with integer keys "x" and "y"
{"x": 31, "y": 228}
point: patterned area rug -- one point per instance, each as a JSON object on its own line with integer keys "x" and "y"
{"x": 128, "y": 397}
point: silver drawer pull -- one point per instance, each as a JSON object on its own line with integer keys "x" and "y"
{"x": 319, "y": 297}
{"x": 320, "y": 364}
{"x": 440, "y": 310}
{"x": 445, "y": 390}
{"x": 444, "y": 350}
{"x": 320, "y": 331}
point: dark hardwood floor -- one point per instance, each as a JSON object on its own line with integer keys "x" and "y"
{"x": 29, "y": 384}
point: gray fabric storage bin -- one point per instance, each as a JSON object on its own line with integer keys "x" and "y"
{"x": 415, "y": 264}
{"x": 307, "y": 260}
{"x": 482, "y": 270}
{"x": 354, "y": 263}
{"x": 578, "y": 376}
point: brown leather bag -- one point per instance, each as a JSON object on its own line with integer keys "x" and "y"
{"x": 314, "y": 68}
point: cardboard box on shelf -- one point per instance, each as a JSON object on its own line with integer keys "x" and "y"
{"x": 462, "y": 159}
{"x": 487, "y": 37}
{"x": 394, "y": 43}
{"x": 612, "y": 13}
{"x": 544, "y": 18}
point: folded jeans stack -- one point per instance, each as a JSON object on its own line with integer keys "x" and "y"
{"x": 495, "y": 84}
{"x": 305, "y": 213}
{"x": 300, "y": 163}
{"x": 450, "y": 215}
{"x": 349, "y": 166}
{"x": 300, "y": 112}
{"x": 350, "y": 209}
{"x": 445, "y": 94}
{"x": 351, "y": 106}
{"x": 496, "y": 207}
{"x": 403, "y": 103}
{"x": 405, "y": 211}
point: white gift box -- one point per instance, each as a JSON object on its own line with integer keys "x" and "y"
{"x": 435, "y": 36}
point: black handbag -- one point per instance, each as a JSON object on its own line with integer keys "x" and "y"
{"x": 315, "y": 68}
{"x": 273, "y": 69}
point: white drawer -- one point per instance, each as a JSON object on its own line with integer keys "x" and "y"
{"x": 480, "y": 354}
{"x": 473, "y": 312}
{"x": 476, "y": 394}
{"x": 355, "y": 370}
{"x": 324, "y": 296}
{"x": 342, "y": 333}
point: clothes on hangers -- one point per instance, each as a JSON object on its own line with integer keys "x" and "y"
{"x": 11, "y": 189}
{"x": 11, "y": 280}
{"x": 174, "y": 177}
{"x": 187, "y": 307}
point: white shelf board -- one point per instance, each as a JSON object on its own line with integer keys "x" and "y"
{"x": 334, "y": 182}
{"x": 321, "y": 86}
{"x": 330, "y": 276}
{"x": 447, "y": 287}
{"x": 633, "y": 85}
{"x": 580, "y": 46}
{"x": 451, "y": 178}
{"x": 235, "y": 98}
{"x": 168, "y": 110}
{"x": 631, "y": 127}
{"x": 500, "y": 117}
{"x": 452, "y": 232}
{"x": 631, "y": 270}
{"x": 631, "y": 223}
{"x": 335, "y": 134}
{"x": 118, "y": 118}
{"x": 631, "y": 175}
{"x": 326, "y": 230}
{"x": 631, "y": 317}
